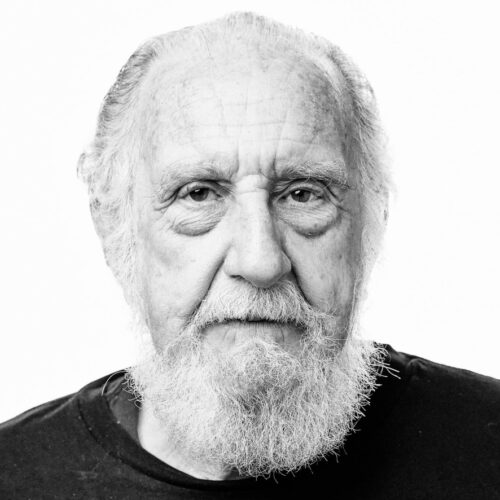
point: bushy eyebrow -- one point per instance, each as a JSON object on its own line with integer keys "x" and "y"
{"x": 328, "y": 172}
{"x": 183, "y": 172}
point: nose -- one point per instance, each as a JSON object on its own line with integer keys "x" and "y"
{"x": 256, "y": 252}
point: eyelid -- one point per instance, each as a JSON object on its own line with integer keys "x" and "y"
{"x": 191, "y": 186}
{"x": 306, "y": 184}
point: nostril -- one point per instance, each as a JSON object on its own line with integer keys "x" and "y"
{"x": 256, "y": 253}
{"x": 262, "y": 267}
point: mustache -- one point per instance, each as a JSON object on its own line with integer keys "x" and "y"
{"x": 283, "y": 303}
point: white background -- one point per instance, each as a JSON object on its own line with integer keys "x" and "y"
{"x": 435, "y": 69}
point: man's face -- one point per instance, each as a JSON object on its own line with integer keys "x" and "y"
{"x": 244, "y": 185}
{"x": 248, "y": 254}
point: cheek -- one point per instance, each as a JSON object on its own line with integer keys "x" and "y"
{"x": 175, "y": 274}
{"x": 326, "y": 268}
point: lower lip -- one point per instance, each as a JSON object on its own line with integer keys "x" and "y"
{"x": 240, "y": 330}
{"x": 251, "y": 326}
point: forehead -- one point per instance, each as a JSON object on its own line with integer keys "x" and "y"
{"x": 262, "y": 107}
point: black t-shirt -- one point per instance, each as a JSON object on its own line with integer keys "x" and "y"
{"x": 430, "y": 432}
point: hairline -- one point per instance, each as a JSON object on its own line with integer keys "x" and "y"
{"x": 114, "y": 183}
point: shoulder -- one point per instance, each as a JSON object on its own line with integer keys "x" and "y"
{"x": 452, "y": 386}
{"x": 38, "y": 422}
{"x": 35, "y": 424}
{"x": 443, "y": 401}
{"x": 454, "y": 402}
{"x": 441, "y": 431}
{"x": 47, "y": 441}
{"x": 452, "y": 416}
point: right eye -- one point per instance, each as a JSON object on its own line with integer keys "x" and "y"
{"x": 198, "y": 193}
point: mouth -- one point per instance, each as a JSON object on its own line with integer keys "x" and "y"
{"x": 254, "y": 321}
{"x": 232, "y": 332}
{"x": 252, "y": 324}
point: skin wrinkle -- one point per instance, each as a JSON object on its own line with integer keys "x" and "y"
{"x": 250, "y": 125}
{"x": 210, "y": 137}
{"x": 248, "y": 226}
{"x": 332, "y": 173}
{"x": 333, "y": 101}
{"x": 212, "y": 64}
{"x": 174, "y": 50}
{"x": 194, "y": 226}
{"x": 252, "y": 236}
{"x": 270, "y": 401}
{"x": 316, "y": 132}
{"x": 176, "y": 90}
{"x": 260, "y": 141}
{"x": 285, "y": 119}
{"x": 170, "y": 182}
{"x": 313, "y": 232}
{"x": 182, "y": 115}
{"x": 245, "y": 115}
{"x": 209, "y": 223}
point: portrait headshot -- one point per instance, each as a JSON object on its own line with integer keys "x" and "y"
{"x": 250, "y": 251}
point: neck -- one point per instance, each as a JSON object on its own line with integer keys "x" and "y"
{"x": 156, "y": 441}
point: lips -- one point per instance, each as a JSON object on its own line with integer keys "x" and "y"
{"x": 232, "y": 333}
{"x": 255, "y": 323}
{"x": 254, "y": 320}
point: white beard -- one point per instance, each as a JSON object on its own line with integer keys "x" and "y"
{"x": 260, "y": 409}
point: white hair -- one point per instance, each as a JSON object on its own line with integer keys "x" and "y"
{"x": 108, "y": 164}
{"x": 258, "y": 408}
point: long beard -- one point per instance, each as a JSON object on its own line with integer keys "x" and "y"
{"x": 260, "y": 409}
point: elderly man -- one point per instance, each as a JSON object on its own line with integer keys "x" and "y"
{"x": 237, "y": 184}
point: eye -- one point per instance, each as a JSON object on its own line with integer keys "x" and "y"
{"x": 198, "y": 193}
{"x": 300, "y": 195}
{"x": 307, "y": 206}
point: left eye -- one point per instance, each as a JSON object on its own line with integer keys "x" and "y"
{"x": 200, "y": 194}
{"x": 301, "y": 195}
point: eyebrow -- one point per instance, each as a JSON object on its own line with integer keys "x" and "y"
{"x": 183, "y": 172}
{"x": 332, "y": 172}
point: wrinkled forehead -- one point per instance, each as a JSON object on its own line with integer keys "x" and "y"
{"x": 215, "y": 93}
